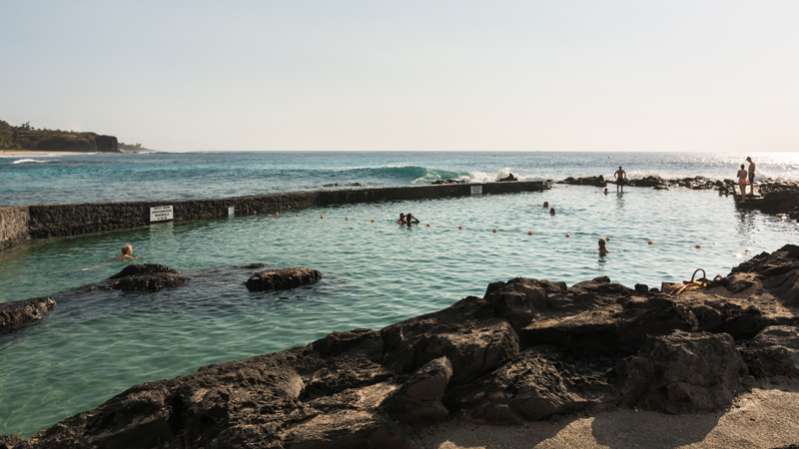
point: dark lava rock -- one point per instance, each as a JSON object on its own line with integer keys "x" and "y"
{"x": 146, "y": 278}
{"x": 281, "y": 279}
{"x": 683, "y": 372}
{"x": 418, "y": 400}
{"x": 773, "y": 352}
{"x": 529, "y": 387}
{"x": 18, "y": 314}
{"x": 648, "y": 181}
{"x": 466, "y": 333}
{"x": 596, "y": 181}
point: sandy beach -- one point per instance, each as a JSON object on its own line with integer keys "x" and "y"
{"x": 763, "y": 418}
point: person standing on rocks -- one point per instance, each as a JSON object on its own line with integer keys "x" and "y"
{"x": 751, "y": 175}
{"x": 742, "y": 180}
{"x": 621, "y": 177}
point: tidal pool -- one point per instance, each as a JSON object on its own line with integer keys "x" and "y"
{"x": 375, "y": 273}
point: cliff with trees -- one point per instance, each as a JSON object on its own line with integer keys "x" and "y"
{"x": 26, "y": 137}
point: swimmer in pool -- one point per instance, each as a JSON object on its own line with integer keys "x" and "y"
{"x": 126, "y": 253}
{"x": 546, "y": 204}
{"x": 401, "y": 220}
{"x": 552, "y": 211}
{"x": 410, "y": 219}
{"x": 603, "y": 250}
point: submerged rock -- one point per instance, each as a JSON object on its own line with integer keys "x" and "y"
{"x": 18, "y": 314}
{"x": 146, "y": 277}
{"x": 528, "y": 350}
{"x": 282, "y": 279}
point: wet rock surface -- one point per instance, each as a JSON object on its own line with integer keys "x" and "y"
{"x": 527, "y": 350}
{"x": 146, "y": 277}
{"x": 18, "y": 314}
{"x": 596, "y": 181}
{"x": 282, "y": 279}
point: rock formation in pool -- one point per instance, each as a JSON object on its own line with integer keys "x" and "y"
{"x": 18, "y": 314}
{"x": 146, "y": 277}
{"x": 282, "y": 279}
{"x": 527, "y": 350}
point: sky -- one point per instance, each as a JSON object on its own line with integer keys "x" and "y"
{"x": 678, "y": 75}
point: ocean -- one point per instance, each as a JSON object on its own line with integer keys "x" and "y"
{"x": 96, "y": 344}
{"x": 127, "y": 177}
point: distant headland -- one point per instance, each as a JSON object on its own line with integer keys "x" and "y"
{"x": 27, "y": 138}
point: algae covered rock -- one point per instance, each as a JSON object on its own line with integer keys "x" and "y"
{"x": 282, "y": 279}
{"x": 18, "y": 314}
{"x": 146, "y": 278}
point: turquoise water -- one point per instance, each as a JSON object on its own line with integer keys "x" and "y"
{"x": 110, "y": 177}
{"x": 375, "y": 273}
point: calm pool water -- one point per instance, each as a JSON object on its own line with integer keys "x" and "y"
{"x": 374, "y": 273}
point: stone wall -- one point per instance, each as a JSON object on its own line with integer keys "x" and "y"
{"x": 13, "y": 225}
{"x": 63, "y": 220}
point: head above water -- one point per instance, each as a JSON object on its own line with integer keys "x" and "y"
{"x": 551, "y": 211}
{"x": 602, "y": 243}
{"x": 127, "y": 250}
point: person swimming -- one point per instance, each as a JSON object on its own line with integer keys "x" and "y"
{"x": 410, "y": 220}
{"x": 546, "y": 204}
{"x": 552, "y": 211}
{"x": 603, "y": 249}
{"x": 605, "y": 191}
{"x": 401, "y": 219}
{"x": 126, "y": 253}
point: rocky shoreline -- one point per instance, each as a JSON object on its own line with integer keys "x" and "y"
{"x": 527, "y": 350}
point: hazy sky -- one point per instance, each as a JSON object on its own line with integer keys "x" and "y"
{"x": 662, "y": 75}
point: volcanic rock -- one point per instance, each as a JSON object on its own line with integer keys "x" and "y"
{"x": 282, "y": 279}
{"x": 596, "y": 181}
{"x": 527, "y": 388}
{"x": 146, "y": 278}
{"x": 773, "y": 352}
{"x": 683, "y": 372}
{"x": 418, "y": 400}
{"x": 18, "y": 314}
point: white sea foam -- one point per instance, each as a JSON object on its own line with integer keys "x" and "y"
{"x": 30, "y": 161}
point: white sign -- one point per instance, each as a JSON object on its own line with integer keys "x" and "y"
{"x": 231, "y": 211}
{"x": 161, "y": 213}
{"x": 477, "y": 190}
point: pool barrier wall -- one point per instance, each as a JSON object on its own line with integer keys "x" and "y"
{"x": 21, "y": 223}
